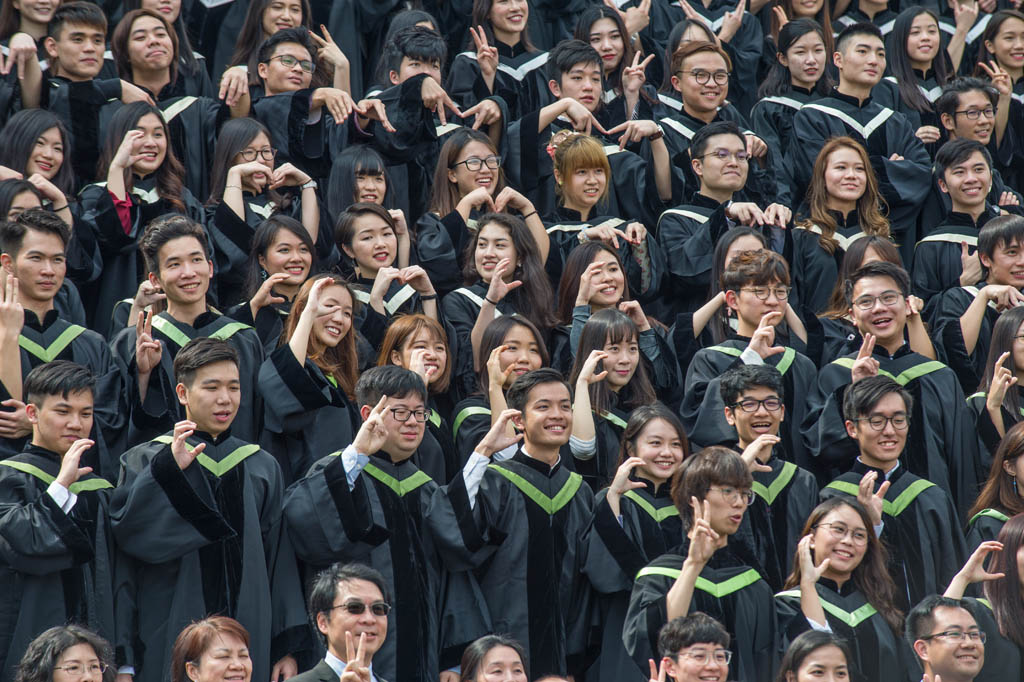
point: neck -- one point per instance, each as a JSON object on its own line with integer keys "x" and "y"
{"x": 892, "y": 345}
{"x": 946, "y": 676}
{"x": 215, "y": 430}
{"x": 874, "y": 463}
{"x": 510, "y": 38}
{"x": 40, "y": 308}
{"x": 37, "y": 440}
{"x": 546, "y": 454}
{"x": 841, "y": 205}
{"x": 366, "y": 272}
{"x": 33, "y": 28}
{"x": 186, "y": 312}
{"x": 398, "y": 456}
{"x": 745, "y": 327}
{"x": 584, "y": 211}
{"x": 152, "y": 80}
{"x": 921, "y": 66}
{"x": 719, "y": 195}
{"x": 849, "y": 89}
{"x": 871, "y": 8}
{"x": 838, "y": 578}
{"x": 706, "y": 116}
{"x": 1015, "y": 72}
{"x": 288, "y": 290}
{"x": 796, "y": 82}
{"x": 975, "y": 211}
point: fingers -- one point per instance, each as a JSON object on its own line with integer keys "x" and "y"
{"x": 378, "y": 409}
{"x": 882, "y": 489}
{"x": 867, "y": 347}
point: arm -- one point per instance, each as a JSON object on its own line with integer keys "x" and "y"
{"x": 810, "y": 602}
{"x": 974, "y": 570}
{"x": 12, "y": 318}
{"x": 497, "y": 290}
{"x": 582, "y": 414}
{"x": 299, "y": 342}
{"x": 703, "y": 543}
{"x": 920, "y": 339}
{"x": 402, "y": 235}
{"x": 964, "y": 14}
{"x": 121, "y": 164}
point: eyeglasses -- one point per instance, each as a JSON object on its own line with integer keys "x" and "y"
{"x": 899, "y": 421}
{"x": 958, "y": 636}
{"x": 888, "y": 298}
{"x": 474, "y": 163}
{"x": 79, "y": 670}
{"x": 357, "y": 608}
{"x": 702, "y": 656}
{"x": 267, "y": 154}
{"x": 289, "y": 62}
{"x": 734, "y": 495}
{"x": 401, "y": 414}
{"x": 841, "y": 530}
{"x": 751, "y": 405}
{"x": 975, "y": 114}
{"x": 702, "y": 76}
{"x": 723, "y": 154}
{"x": 762, "y": 293}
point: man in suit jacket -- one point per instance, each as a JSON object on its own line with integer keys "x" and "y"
{"x": 349, "y": 604}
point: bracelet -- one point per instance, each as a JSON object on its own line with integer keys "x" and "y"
{"x": 232, "y": 187}
{"x": 658, "y": 135}
{"x": 55, "y": 210}
{"x": 529, "y": 215}
{"x": 491, "y": 302}
{"x": 428, "y": 297}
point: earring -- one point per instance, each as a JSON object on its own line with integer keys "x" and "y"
{"x": 263, "y": 274}
{"x": 1014, "y": 478}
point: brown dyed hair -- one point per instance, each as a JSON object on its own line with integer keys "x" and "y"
{"x": 757, "y": 268}
{"x": 1004, "y": 593}
{"x": 402, "y": 330}
{"x": 445, "y": 193}
{"x": 122, "y": 36}
{"x": 686, "y": 50}
{"x": 999, "y": 491}
{"x": 715, "y": 465}
{"x": 199, "y": 636}
{"x": 340, "y": 362}
{"x": 574, "y": 151}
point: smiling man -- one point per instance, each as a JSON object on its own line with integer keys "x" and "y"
{"x": 946, "y": 639}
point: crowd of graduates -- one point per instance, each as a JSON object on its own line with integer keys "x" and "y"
{"x": 509, "y": 340}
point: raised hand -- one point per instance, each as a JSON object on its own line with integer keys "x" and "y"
{"x": 183, "y": 455}
{"x": 133, "y": 93}
{"x": 778, "y": 215}
{"x": 509, "y": 198}
{"x": 479, "y": 197}
{"x": 865, "y": 365}
{"x": 999, "y": 77}
{"x": 147, "y": 294}
{"x": 21, "y": 49}
{"x": 634, "y": 131}
{"x": 498, "y": 288}
{"x": 287, "y": 175}
{"x": 970, "y": 265}
{"x": 1004, "y": 296}
{"x": 780, "y": 15}
{"x": 418, "y": 364}
{"x": 928, "y": 134}
{"x": 148, "y": 350}
{"x": 338, "y": 102}
{"x": 417, "y": 278}
{"x": 374, "y": 110}
{"x": 14, "y": 422}
{"x": 809, "y": 573}
{"x": 69, "y": 469}
{"x": 586, "y": 290}
{"x": 873, "y": 502}
{"x": 357, "y": 669}
{"x": 974, "y": 570}
{"x": 485, "y": 112}
{"x": 756, "y": 147}
{"x": 265, "y": 294}
{"x": 703, "y": 538}
{"x": 373, "y": 432}
{"x": 12, "y": 313}
{"x": 759, "y": 449}
{"x": 635, "y": 313}
{"x": 127, "y": 153}
{"x": 964, "y": 14}
{"x": 582, "y": 119}
{"x": 437, "y": 100}
{"x": 498, "y": 437}
{"x": 496, "y": 376}
{"x": 328, "y": 50}
{"x": 763, "y": 339}
{"x": 745, "y": 213}
{"x": 1002, "y": 380}
{"x": 637, "y": 18}
{"x": 48, "y": 190}
{"x": 589, "y": 373}
{"x": 635, "y": 75}
{"x": 636, "y": 233}
{"x": 255, "y": 173}
{"x": 621, "y": 483}
{"x": 1008, "y": 199}
{"x": 607, "y": 234}
{"x": 731, "y": 22}
{"x": 486, "y": 55}
{"x": 381, "y": 283}
{"x": 234, "y": 85}
{"x": 314, "y": 306}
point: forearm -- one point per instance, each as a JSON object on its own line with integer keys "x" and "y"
{"x": 1002, "y": 118}
{"x": 796, "y": 325}
{"x": 115, "y": 182}
{"x": 582, "y": 415}
{"x": 957, "y": 587}
{"x": 483, "y": 318}
{"x": 430, "y": 309}
{"x": 970, "y": 322}
{"x": 10, "y": 363}
{"x": 706, "y": 312}
{"x": 32, "y": 85}
{"x": 242, "y": 107}
{"x": 342, "y": 79}
{"x": 233, "y": 197}
{"x": 299, "y": 342}
{"x": 955, "y": 48}
{"x": 810, "y": 603}
{"x": 311, "y": 213}
{"x": 920, "y": 341}
{"x": 995, "y": 415}
{"x": 677, "y": 601}
{"x": 142, "y": 379}
{"x": 549, "y": 113}
{"x": 403, "y": 250}
{"x": 662, "y": 169}
{"x": 540, "y": 235}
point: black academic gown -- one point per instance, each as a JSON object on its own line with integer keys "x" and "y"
{"x": 525, "y": 541}
{"x": 772, "y": 120}
{"x": 460, "y": 309}
{"x": 81, "y": 106}
{"x": 814, "y": 269}
{"x": 209, "y": 539}
{"x": 937, "y": 205}
{"x": 922, "y": 531}
{"x": 941, "y": 441}
{"x": 877, "y": 653}
{"x": 729, "y": 589}
{"x": 521, "y": 80}
{"x": 440, "y": 245}
{"x": 937, "y": 265}
{"x": 988, "y": 435}
{"x": 269, "y": 321}
{"x": 1003, "y": 658}
{"x": 615, "y": 554}
{"x": 985, "y": 526}
{"x": 943, "y": 317}
{"x": 192, "y": 124}
{"x": 55, "y": 567}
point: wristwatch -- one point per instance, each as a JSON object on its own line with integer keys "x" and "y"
{"x": 309, "y": 185}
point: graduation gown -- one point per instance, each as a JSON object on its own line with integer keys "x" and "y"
{"x": 615, "y": 554}
{"x": 772, "y": 120}
{"x": 471, "y": 422}
{"x": 81, "y": 106}
{"x": 984, "y": 526}
{"x": 440, "y": 244}
{"x": 814, "y": 269}
{"x": 941, "y": 444}
{"x": 937, "y": 206}
{"x": 729, "y": 589}
{"x": 378, "y": 522}
{"x": 988, "y": 436}
{"x": 877, "y": 653}
{"x": 193, "y": 123}
{"x": 1003, "y": 659}
{"x": 521, "y": 80}
{"x": 209, "y": 539}
{"x": 306, "y": 415}
{"x": 524, "y": 540}
{"x": 922, "y": 530}
{"x": 943, "y": 315}
{"x": 703, "y": 412}
{"x": 56, "y": 567}
{"x": 161, "y": 410}
{"x": 460, "y": 309}
{"x": 937, "y": 264}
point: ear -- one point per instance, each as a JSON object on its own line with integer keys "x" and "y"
{"x": 7, "y": 262}
{"x": 182, "y": 394}
{"x": 677, "y": 85}
{"x": 348, "y": 252}
{"x": 558, "y": 177}
{"x": 947, "y": 122}
{"x": 782, "y": 59}
{"x": 555, "y": 89}
{"x": 985, "y": 260}
{"x": 671, "y": 669}
{"x": 393, "y": 77}
{"x": 210, "y": 264}
{"x": 698, "y": 167}
{"x": 396, "y": 358}
{"x": 730, "y": 416}
{"x": 262, "y": 70}
{"x": 921, "y": 649}
{"x": 1007, "y": 466}
{"x": 942, "y": 185}
{"x": 851, "y": 429}
{"x": 782, "y": 417}
{"x": 990, "y": 46}
{"x": 192, "y": 671}
{"x": 732, "y": 300}
{"x": 790, "y": 676}
{"x": 837, "y": 59}
{"x": 32, "y": 413}
{"x": 262, "y": 261}
{"x": 322, "y": 622}
{"x": 451, "y": 177}
{"x": 154, "y": 279}
{"x": 364, "y": 412}
{"x": 50, "y": 45}
{"x": 517, "y": 421}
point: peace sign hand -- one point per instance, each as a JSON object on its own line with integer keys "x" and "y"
{"x": 148, "y": 350}
{"x": 999, "y": 77}
{"x": 635, "y": 75}
{"x": 703, "y": 538}
{"x": 657, "y": 671}
{"x": 372, "y": 432}
{"x": 12, "y": 313}
{"x": 486, "y": 55}
{"x": 328, "y": 50}
{"x": 358, "y": 667}
{"x": 865, "y": 365}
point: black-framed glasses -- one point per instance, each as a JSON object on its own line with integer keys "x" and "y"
{"x": 751, "y": 405}
{"x": 402, "y": 414}
{"x": 975, "y": 114}
{"x": 475, "y": 163}
{"x": 734, "y": 495}
{"x": 267, "y": 154}
{"x": 839, "y": 531}
{"x": 702, "y": 656}
{"x": 958, "y": 636}
{"x": 722, "y": 154}
{"x": 289, "y": 62}
{"x": 762, "y": 293}
{"x": 79, "y": 670}
{"x": 357, "y": 608}
{"x": 899, "y": 421}
{"x": 702, "y": 76}
{"x": 888, "y": 298}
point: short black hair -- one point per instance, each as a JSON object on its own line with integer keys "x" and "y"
{"x": 861, "y": 28}
{"x": 165, "y": 228}
{"x": 518, "y": 394}
{"x": 949, "y": 101}
{"x": 957, "y": 151}
{"x": 199, "y": 353}
{"x": 567, "y": 54}
{"x": 79, "y": 13}
{"x": 12, "y": 233}
{"x": 415, "y": 42}
{"x": 862, "y": 397}
{"x": 699, "y": 143}
{"x": 388, "y": 380}
{"x": 324, "y": 588}
{"x": 695, "y": 628}
{"x": 297, "y": 34}
{"x": 736, "y": 380}
{"x": 1001, "y": 231}
{"x": 921, "y": 618}
{"x": 60, "y": 377}
{"x": 878, "y": 269}
{"x": 44, "y": 652}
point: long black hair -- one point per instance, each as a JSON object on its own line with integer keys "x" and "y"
{"x": 779, "y": 80}
{"x": 235, "y": 136}
{"x": 591, "y": 16}
{"x": 899, "y": 60}
{"x": 18, "y": 139}
{"x": 262, "y": 240}
{"x": 356, "y": 160}
{"x": 11, "y": 188}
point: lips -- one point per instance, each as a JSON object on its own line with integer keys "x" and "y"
{"x": 294, "y": 269}
{"x": 761, "y": 426}
{"x": 333, "y": 330}
{"x": 381, "y": 256}
{"x": 368, "y": 197}
{"x": 555, "y": 428}
{"x": 222, "y": 416}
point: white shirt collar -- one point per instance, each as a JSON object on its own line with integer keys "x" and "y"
{"x": 338, "y": 665}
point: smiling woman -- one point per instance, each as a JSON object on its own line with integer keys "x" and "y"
{"x": 214, "y": 649}
{"x": 66, "y": 653}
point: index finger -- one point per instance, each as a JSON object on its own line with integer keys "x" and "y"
{"x": 986, "y": 69}
{"x": 379, "y": 408}
{"x": 349, "y": 646}
{"x": 867, "y": 347}
{"x": 327, "y": 34}
{"x": 1000, "y": 361}
{"x": 361, "y": 651}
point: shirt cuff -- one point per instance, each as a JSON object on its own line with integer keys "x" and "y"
{"x": 749, "y": 356}
{"x": 879, "y": 528}
{"x": 582, "y": 449}
{"x": 64, "y": 498}
{"x": 472, "y": 472}
{"x": 818, "y": 626}
{"x": 353, "y": 462}
{"x": 126, "y": 670}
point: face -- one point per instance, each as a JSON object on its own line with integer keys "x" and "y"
{"x": 170, "y": 9}
{"x": 225, "y": 660}
{"x": 149, "y": 44}
{"x": 727, "y": 174}
{"x": 335, "y": 624}
{"x": 698, "y": 663}
{"x": 884, "y": 321}
{"x": 805, "y": 8}
{"x": 749, "y": 308}
{"x": 414, "y": 66}
{"x": 493, "y": 243}
{"x": 185, "y": 271}
{"x": 21, "y": 203}
{"x": 277, "y": 77}
{"x": 824, "y": 664}
{"x": 623, "y": 357}
{"x": 750, "y": 425}
{"x": 40, "y": 266}
{"x": 331, "y": 327}
{"x": 84, "y": 657}
{"x": 1008, "y": 46}
{"x": 923, "y": 41}
{"x": 501, "y": 664}
{"x": 38, "y": 11}
{"x": 260, "y": 145}
{"x": 846, "y": 552}
{"x": 523, "y": 352}
{"x": 745, "y": 243}
{"x": 949, "y": 658}
{"x": 659, "y": 446}
{"x": 702, "y": 97}
{"x": 47, "y": 154}
{"x": 59, "y": 421}
{"x": 805, "y": 59}
{"x": 212, "y": 399}
{"x": 582, "y": 83}
{"x": 152, "y": 147}
{"x": 881, "y": 447}
{"x": 508, "y": 16}
{"x": 584, "y": 187}
{"x": 467, "y": 180}
{"x": 79, "y": 50}
{"x": 435, "y": 356}
{"x": 281, "y": 14}
{"x": 547, "y": 418}
{"x": 287, "y": 253}
{"x": 973, "y": 103}
{"x": 863, "y": 62}
{"x": 726, "y": 505}
{"x": 371, "y": 187}
{"x": 373, "y": 246}
{"x": 404, "y": 435}
{"x": 1006, "y": 266}
{"x": 846, "y": 178}
{"x": 606, "y": 38}
{"x": 967, "y": 182}
{"x": 609, "y": 283}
